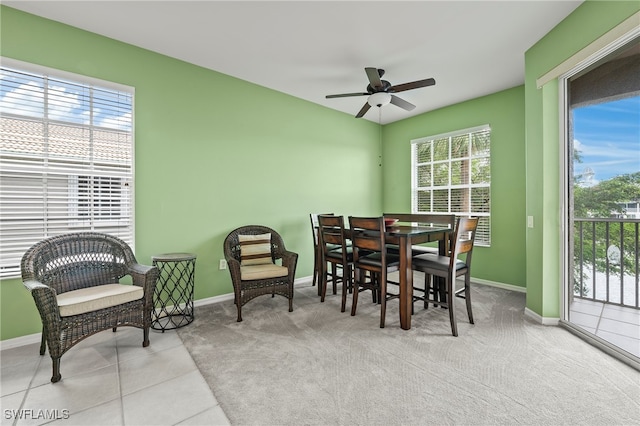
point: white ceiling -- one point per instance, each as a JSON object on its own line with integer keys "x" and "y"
{"x": 310, "y": 49}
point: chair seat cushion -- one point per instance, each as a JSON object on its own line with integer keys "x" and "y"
{"x": 90, "y": 299}
{"x": 337, "y": 253}
{"x": 375, "y": 258}
{"x": 264, "y": 271}
{"x": 432, "y": 261}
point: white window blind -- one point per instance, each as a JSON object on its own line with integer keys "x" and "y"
{"x": 66, "y": 159}
{"x": 451, "y": 173}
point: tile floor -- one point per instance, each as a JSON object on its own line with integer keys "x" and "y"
{"x": 108, "y": 379}
{"x": 615, "y": 324}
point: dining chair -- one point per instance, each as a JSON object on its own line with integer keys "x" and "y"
{"x": 370, "y": 255}
{"x": 449, "y": 268}
{"x": 316, "y": 248}
{"x": 335, "y": 251}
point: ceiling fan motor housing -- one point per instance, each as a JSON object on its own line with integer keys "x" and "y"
{"x": 385, "y": 86}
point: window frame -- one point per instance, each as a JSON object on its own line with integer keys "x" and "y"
{"x": 97, "y": 164}
{"x": 483, "y": 235}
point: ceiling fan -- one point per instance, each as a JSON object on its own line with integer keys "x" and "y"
{"x": 381, "y": 92}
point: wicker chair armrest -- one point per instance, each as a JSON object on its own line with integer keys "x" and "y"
{"x": 289, "y": 259}
{"x": 144, "y": 276}
{"x": 46, "y": 302}
{"x": 33, "y": 284}
{"x": 234, "y": 269}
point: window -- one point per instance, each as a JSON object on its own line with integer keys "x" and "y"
{"x": 66, "y": 158}
{"x": 451, "y": 173}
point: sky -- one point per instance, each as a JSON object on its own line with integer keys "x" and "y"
{"x": 607, "y": 136}
{"x": 66, "y": 101}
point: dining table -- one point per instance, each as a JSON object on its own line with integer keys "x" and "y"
{"x": 404, "y": 235}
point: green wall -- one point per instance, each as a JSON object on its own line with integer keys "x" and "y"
{"x": 543, "y": 147}
{"x": 212, "y": 153}
{"x": 504, "y": 112}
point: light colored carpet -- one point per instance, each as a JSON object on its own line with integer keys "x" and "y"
{"x": 318, "y": 366}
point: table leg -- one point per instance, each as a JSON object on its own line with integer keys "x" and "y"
{"x": 406, "y": 283}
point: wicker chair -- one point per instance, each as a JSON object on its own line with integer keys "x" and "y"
{"x": 252, "y": 277}
{"x": 74, "y": 281}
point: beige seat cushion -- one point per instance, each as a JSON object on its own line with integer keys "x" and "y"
{"x": 259, "y": 272}
{"x": 99, "y": 297}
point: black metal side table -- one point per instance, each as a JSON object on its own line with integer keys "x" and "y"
{"x": 173, "y": 296}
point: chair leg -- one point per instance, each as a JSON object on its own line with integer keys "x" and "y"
{"x": 56, "y": 370}
{"x": 320, "y": 270}
{"x": 356, "y": 290}
{"x": 291, "y": 304}
{"x": 442, "y": 293}
{"x": 346, "y": 284}
{"x": 427, "y": 289}
{"x": 450, "y": 300}
{"x": 315, "y": 266}
{"x": 43, "y": 342}
{"x": 239, "y": 312}
{"x": 467, "y": 296}
{"x": 145, "y": 337}
{"x": 374, "y": 288}
{"x": 383, "y": 298}
{"x": 323, "y": 282}
{"x": 334, "y": 276}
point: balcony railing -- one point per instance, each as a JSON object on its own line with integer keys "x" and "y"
{"x": 605, "y": 256}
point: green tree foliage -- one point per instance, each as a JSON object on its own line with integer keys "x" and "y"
{"x": 605, "y": 197}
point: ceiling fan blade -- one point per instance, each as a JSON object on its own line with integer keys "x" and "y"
{"x": 402, "y": 103}
{"x": 374, "y": 77}
{"x": 412, "y": 85}
{"x": 344, "y": 95}
{"x": 364, "y": 110}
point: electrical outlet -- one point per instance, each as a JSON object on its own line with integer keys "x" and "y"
{"x": 529, "y": 221}
{"x": 223, "y": 264}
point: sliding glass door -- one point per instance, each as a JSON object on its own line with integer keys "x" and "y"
{"x": 602, "y": 206}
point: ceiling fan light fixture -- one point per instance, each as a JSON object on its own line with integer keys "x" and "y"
{"x": 379, "y": 99}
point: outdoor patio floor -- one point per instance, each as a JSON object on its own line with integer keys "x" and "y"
{"x": 617, "y": 325}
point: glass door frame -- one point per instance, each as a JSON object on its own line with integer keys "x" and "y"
{"x": 566, "y": 182}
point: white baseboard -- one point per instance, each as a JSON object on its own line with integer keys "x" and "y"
{"x": 16, "y": 342}
{"x": 540, "y": 319}
{"x": 229, "y": 296}
{"x": 214, "y": 299}
{"x": 499, "y": 285}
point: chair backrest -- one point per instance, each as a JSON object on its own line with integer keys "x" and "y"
{"x": 424, "y": 218}
{"x": 78, "y": 260}
{"x": 463, "y": 239}
{"x": 314, "y": 226}
{"x": 332, "y": 235}
{"x": 367, "y": 233}
{"x": 232, "y": 242}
